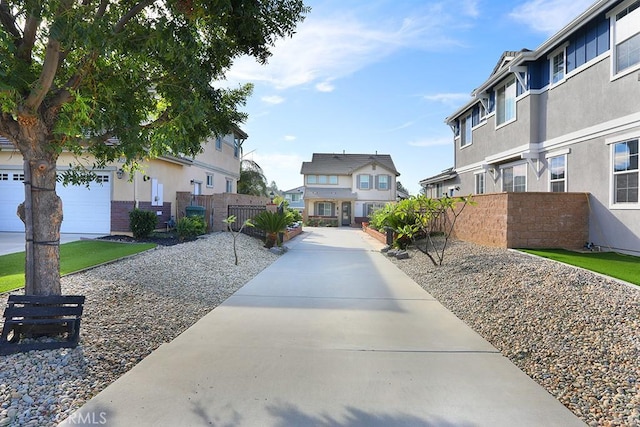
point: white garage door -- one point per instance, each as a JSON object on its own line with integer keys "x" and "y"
{"x": 85, "y": 210}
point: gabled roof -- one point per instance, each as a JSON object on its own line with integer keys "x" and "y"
{"x": 506, "y": 58}
{"x": 345, "y": 164}
{"x": 295, "y": 190}
{"x": 445, "y": 175}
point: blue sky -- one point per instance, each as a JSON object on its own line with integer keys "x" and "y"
{"x": 382, "y": 75}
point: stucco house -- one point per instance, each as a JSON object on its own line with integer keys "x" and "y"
{"x": 104, "y": 207}
{"x": 564, "y": 117}
{"x": 295, "y": 198}
{"x": 346, "y": 188}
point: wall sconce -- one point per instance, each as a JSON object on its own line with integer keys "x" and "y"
{"x": 120, "y": 173}
{"x": 146, "y": 177}
{"x": 191, "y": 182}
{"x": 457, "y": 188}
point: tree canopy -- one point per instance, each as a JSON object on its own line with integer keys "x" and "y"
{"x": 119, "y": 79}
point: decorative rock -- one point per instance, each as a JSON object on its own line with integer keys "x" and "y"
{"x": 385, "y": 249}
{"x": 402, "y": 255}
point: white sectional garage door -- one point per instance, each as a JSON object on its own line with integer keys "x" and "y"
{"x": 85, "y": 210}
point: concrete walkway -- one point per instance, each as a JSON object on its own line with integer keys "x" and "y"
{"x": 14, "y": 242}
{"x": 331, "y": 334}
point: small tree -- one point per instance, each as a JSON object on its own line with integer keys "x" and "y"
{"x": 230, "y": 221}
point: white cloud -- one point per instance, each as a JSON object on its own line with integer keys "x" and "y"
{"x": 289, "y": 138}
{"x": 449, "y": 98}
{"x": 433, "y": 142}
{"x": 275, "y": 99}
{"x": 470, "y": 8}
{"x": 325, "y": 87}
{"x": 283, "y": 168}
{"x": 548, "y": 16}
{"x": 326, "y": 48}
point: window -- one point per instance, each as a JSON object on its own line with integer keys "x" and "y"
{"x": 383, "y": 182}
{"x": 557, "y": 174}
{"x": 625, "y": 172}
{"x": 4, "y": 177}
{"x": 370, "y": 208}
{"x": 18, "y": 177}
{"x": 102, "y": 178}
{"x": 236, "y": 148}
{"x": 323, "y": 179}
{"x": 295, "y": 197}
{"x": 479, "y": 183}
{"x": 333, "y": 179}
{"x": 557, "y": 67}
{"x": 324, "y": 209}
{"x": 312, "y": 179}
{"x": 229, "y": 186}
{"x": 506, "y": 102}
{"x": 514, "y": 178}
{"x": 626, "y": 36}
{"x": 466, "y": 134}
{"x": 209, "y": 180}
{"x": 197, "y": 188}
{"x": 364, "y": 182}
{"x": 219, "y": 143}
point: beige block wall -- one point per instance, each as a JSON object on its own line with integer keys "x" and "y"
{"x": 526, "y": 220}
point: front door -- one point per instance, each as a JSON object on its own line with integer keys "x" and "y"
{"x": 346, "y": 213}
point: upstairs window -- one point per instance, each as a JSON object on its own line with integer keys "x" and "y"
{"x": 236, "y": 148}
{"x": 209, "y": 180}
{"x": 506, "y": 102}
{"x": 229, "y": 186}
{"x": 466, "y": 137}
{"x": 219, "y": 143}
{"x": 625, "y": 172}
{"x": 364, "y": 182}
{"x": 383, "y": 182}
{"x": 626, "y": 37}
{"x": 557, "y": 67}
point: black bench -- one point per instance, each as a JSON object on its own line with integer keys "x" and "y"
{"x": 33, "y": 316}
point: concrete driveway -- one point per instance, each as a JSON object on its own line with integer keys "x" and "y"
{"x": 331, "y": 334}
{"x": 14, "y": 242}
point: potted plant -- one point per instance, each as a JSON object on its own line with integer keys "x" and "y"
{"x": 272, "y": 223}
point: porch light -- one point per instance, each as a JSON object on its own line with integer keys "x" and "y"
{"x": 120, "y": 173}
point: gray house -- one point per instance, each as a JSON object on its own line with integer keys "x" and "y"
{"x": 562, "y": 118}
{"x": 295, "y": 198}
{"x": 343, "y": 189}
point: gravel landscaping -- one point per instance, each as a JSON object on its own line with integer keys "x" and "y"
{"x": 132, "y": 307}
{"x": 574, "y": 332}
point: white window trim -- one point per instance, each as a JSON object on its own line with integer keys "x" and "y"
{"x": 513, "y": 165}
{"x": 562, "y": 49}
{"x": 566, "y": 177}
{"x": 210, "y": 175}
{"x": 484, "y": 182}
{"x": 468, "y": 123}
{"x": 611, "y": 142}
{"x": 612, "y": 43}
{"x": 504, "y": 84}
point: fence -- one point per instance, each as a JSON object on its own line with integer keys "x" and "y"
{"x": 243, "y": 213}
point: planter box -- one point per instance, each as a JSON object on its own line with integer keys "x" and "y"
{"x": 381, "y": 237}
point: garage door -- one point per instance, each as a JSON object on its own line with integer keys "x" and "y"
{"x": 85, "y": 210}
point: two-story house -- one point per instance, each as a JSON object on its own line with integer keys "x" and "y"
{"x": 562, "y": 118}
{"x": 295, "y": 198}
{"x": 346, "y": 188}
{"x": 103, "y": 207}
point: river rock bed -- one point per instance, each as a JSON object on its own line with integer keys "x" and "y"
{"x": 132, "y": 307}
{"x": 574, "y": 332}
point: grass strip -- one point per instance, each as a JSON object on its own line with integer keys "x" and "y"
{"x": 74, "y": 256}
{"x": 620, "y": 266}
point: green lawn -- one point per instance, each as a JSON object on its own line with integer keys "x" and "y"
{"x": 74, "y": 256}
{"x": 620, "y": 266}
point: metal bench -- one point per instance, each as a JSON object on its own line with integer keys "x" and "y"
{"x": 34, "y": 316}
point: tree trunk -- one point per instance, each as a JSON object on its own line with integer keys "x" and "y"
{"x": 41, "y": 213}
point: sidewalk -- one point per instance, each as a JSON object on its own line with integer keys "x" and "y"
{"x": 331, "y": 334}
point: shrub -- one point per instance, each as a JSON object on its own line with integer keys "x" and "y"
{"x": 272, "y": 224}
{"x": 142, "y": 223}
{"x": 190, "y": 227}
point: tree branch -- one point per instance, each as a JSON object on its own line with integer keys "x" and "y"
{"x": 8, "y": 21}
{"x": 30, "y": 30}
{"x": 102, "y": 8}
{"x": 129, "y": 15}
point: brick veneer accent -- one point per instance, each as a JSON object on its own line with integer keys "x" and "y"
{"x": 120, "y": 214}
{"x": 526, "y": 220}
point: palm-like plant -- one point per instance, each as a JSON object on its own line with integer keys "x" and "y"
{"x": 272, "y": 223}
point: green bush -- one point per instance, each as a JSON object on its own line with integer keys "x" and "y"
{"x": 190, "y": 227}
{"x": 272, "y": 223}
{"x": 142, "y": 223}
{"x": 322, "y": 222}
